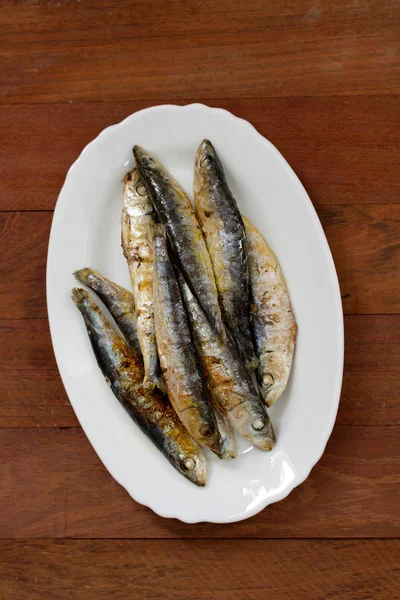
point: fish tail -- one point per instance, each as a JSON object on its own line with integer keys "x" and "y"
{"x": 83, "y": 275}
{"x": 79, "y": 295}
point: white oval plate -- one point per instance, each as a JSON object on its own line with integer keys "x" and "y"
{"x": 86, "y": 232}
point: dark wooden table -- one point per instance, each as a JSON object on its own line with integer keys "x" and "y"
{"x": 321, "y": 80}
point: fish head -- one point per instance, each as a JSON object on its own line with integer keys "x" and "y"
{"x": 154, "y": 176}
{"x": 148, "y": 164}
{"x": 273, "y": 380}
{"x": 204, "y": 430}
{"x": 208, "y": 169}
{"x": 253, "y": 423}
{"x": 227, "y": 437}
{"x": 132, "y": 177}
{"x": 135, "y": 198}
{"x": 272, "y": 393}
{"x": 193, "y": 466}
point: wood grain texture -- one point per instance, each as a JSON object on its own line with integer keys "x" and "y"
{"x": 24, "y": 239}
{"x": 52, "y": 484}
{"x": 371, "y": 382}
{"x": 221, "y": 569}
{"x": 320, "y": 80}
{"x": 63, "y": 51}
{"x": 32, "y": 395}
{"x": 346, "y": 150}
{"x": 31, "y": 391}
{"x": 364, "y": 243}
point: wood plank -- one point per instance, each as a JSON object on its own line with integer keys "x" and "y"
{"x": 31, "y": 391}
{"x": 32, "y": 395}
{"x": 371, "y": 378}
{"x": 172, "y": 18}
{"x": 199, "y": 569}
{"x": 364, "y": 242}
{"x": 53, "y": 485}
{"x": 362, "y": 140}
{"x": 35, "y": 398}
{"x": 24, "y": 239}
{"x": 53, "y": 52}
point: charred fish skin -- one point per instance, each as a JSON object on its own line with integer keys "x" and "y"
{"x": 225, "y": 236}
{"x": 176, "y": 213}
{"x": 138, "y": 220}
{"x": 119, "y": 302}
{"x": 230, "y": 386}
{"x": 180, "y": 362}
{"x": 273, "y": 324}
{"x": 151, "y": 411}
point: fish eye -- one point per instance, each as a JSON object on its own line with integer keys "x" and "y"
{"x": 258, "y": 424}
{"x": 205, "y": 160}
{"x": 141, "y": 190}
{"x": 268, "y": 380}
{"x": 206, "y": 431}
{"x": 188, "y": 464}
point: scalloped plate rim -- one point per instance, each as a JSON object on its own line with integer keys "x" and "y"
{"x": 300, "y": 477}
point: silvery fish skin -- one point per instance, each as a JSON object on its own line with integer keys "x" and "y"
{"x": 119, "y": 302}
{"x": 151, "y": 411}
{"x": 180, "y": 362}
{"x": 274, "y": 326}
{"x": 229, "y": 383}
{"x": 225, "y": 236}
{"x": 175, "y": 211}
{"x": 138, "y": 220}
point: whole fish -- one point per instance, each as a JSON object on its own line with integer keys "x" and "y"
{"x": 180, "y": 362}
{"x": 119, "y": 302}
{"x": 225, "y": 236}
{"x": 138, "y": 219}
{"x": 274, "y": 326}
{"x": 152, "y": 412}
{"x": 229, "y": 383}
{"x": 175, "y": 211}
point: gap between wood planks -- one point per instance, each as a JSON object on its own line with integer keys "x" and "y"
{"x": 363, "y": 240}
{"x": 148, "y": 102}
{"x": 32, "y": 394}
{"x": 345, "y": 150}
{"x": 55, "y": 486}
{"x": 21, "y": 540}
